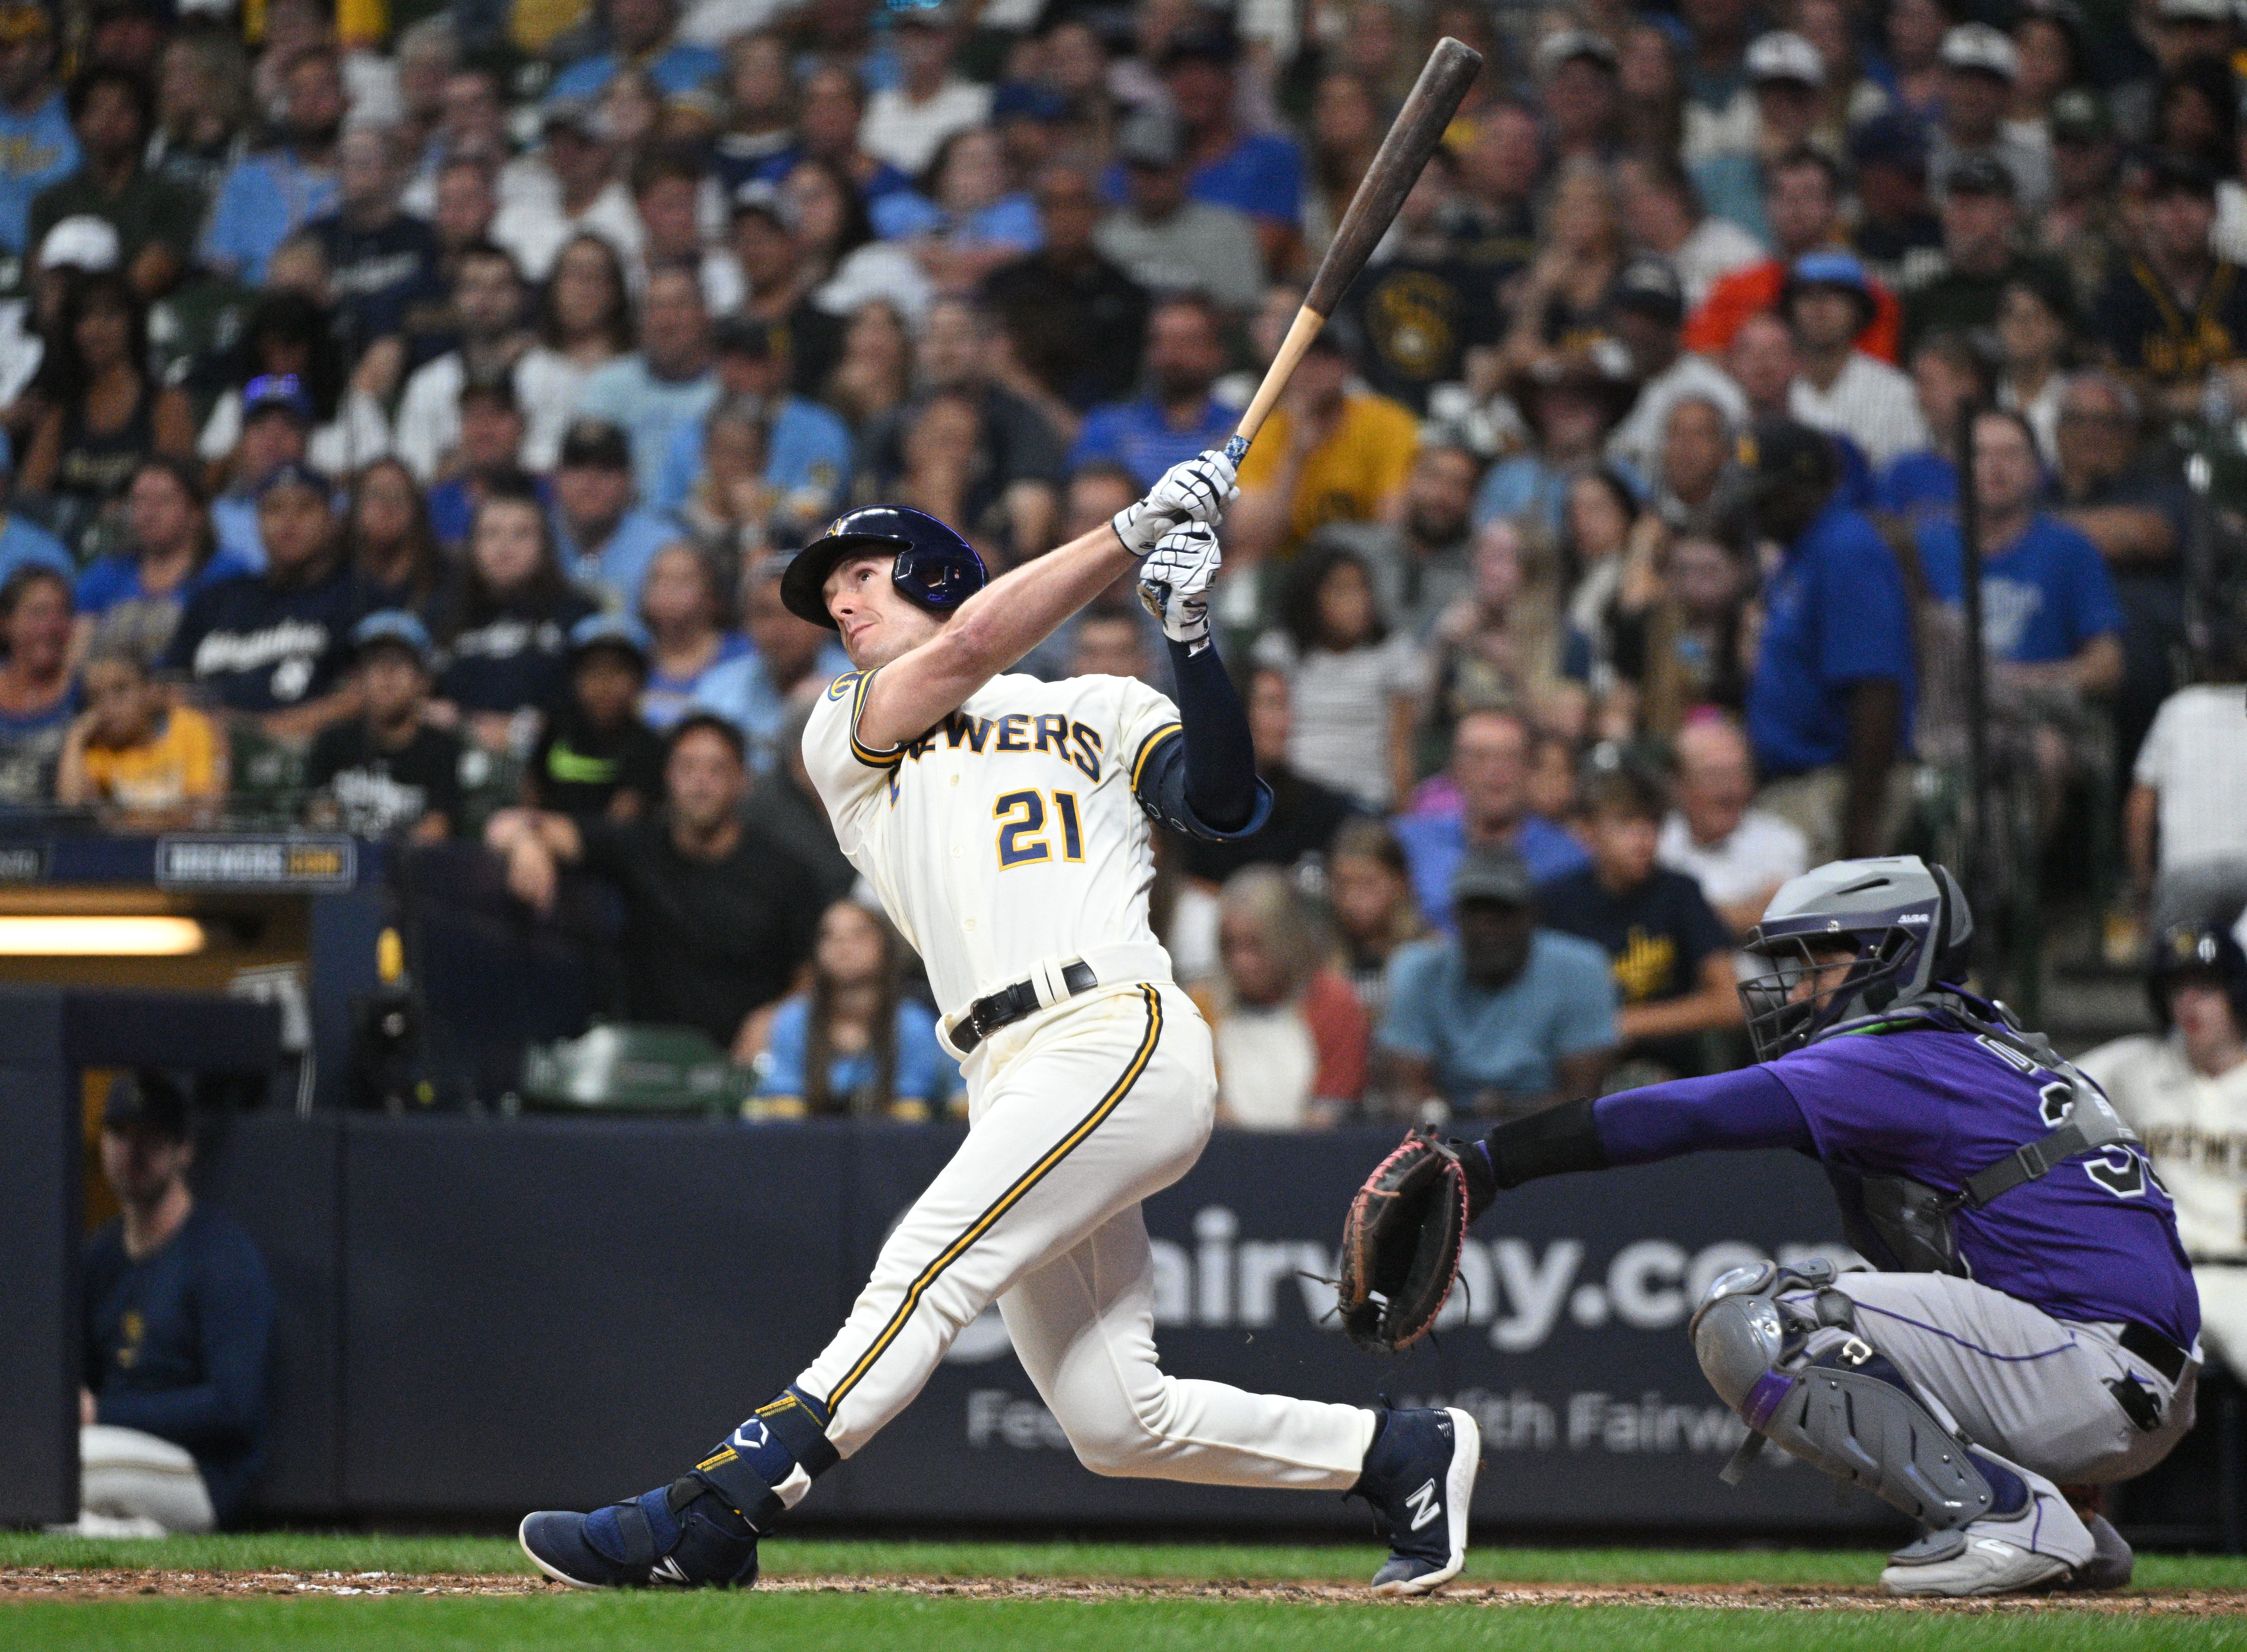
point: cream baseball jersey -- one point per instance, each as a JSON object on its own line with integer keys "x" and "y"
{"x": 1008, "y": 836}
{"x": 2195, "y": 1129}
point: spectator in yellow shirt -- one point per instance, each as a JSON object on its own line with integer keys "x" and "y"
{"x": 1328, "y": 453}
{"x": 144, "y": 762}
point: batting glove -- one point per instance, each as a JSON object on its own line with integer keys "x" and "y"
{"x": 1194, "y": 490}
{"x": 1174, "y": 583}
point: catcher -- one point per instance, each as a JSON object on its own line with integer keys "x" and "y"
{"x": 2033, "y": 1323}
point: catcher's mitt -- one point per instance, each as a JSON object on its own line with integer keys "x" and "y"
{"x": 1400, "y": 1244}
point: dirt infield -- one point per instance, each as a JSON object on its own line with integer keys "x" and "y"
{"x": 55, "y": 1583}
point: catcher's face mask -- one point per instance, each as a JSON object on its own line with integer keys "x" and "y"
{"x": 1811, "y": 981}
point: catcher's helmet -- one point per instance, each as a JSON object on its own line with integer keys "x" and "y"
{"x": 935, "y": 567}
{"x": 1907, "y": 922}
{"x": 2197, "y": 949}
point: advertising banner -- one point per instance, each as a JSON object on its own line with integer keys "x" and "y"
{"x": 486, "y": 1315}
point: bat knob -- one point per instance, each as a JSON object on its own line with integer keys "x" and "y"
{"x": 1236, "y": 448}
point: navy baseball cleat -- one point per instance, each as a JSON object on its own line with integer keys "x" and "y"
{"x": 696, "y": 1532}
{"x": 1419, "y": 1477}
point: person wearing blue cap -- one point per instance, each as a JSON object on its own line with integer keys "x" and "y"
{"x": 1897, "y": 234}
{"x": 387, "y": 773}
{"x": 1827, "y": 301}
{"x": 270, "y": 647}
{"x": 595, "y": 759}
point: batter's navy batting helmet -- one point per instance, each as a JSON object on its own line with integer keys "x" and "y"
{"x": 935, "y": 567}
{"x": 2203, "y": 950}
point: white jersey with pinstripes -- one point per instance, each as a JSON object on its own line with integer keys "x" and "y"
{"x": 1007, "y": 837}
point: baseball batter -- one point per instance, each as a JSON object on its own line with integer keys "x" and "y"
{"x": 1004, "y": 822}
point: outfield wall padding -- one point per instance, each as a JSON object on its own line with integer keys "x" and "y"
{"x": 482, "y": 1315}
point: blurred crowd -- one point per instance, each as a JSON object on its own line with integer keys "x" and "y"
{"x": 408, "y": 411}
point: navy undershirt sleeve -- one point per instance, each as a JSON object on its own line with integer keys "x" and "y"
{"x": 1221, "y": 757}
{"x": 1741, "y": 1110}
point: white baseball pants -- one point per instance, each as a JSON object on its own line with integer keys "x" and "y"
{"x": 1075, "y": 1116}
{"x": 125, "y": 1475}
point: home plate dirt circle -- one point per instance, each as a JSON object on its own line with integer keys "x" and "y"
{"x": 60, "y": 1583}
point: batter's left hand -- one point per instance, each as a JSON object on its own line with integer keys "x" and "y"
{"x": 1174, "y": 583}
{"x": 1193, "y": 490}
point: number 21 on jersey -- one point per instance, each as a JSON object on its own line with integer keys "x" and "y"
{"x": 1023, "y": 827}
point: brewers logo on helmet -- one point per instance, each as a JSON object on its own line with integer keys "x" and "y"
{"x": 935, "y": 567}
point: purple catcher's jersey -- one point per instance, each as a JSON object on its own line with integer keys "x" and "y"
{"x": 2094, "y": 1238}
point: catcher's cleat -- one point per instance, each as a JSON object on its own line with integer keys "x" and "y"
{"x": 693, "y": 1534}
{"x": 1419, "y": 1479}
{"x": 2037, "y": 1547}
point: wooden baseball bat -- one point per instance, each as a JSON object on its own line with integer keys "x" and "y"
{"x": 1451, "y": 69}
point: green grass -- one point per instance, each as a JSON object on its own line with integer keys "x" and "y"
{"x": 814, "y": 1557}
{"x": 690, "y": 1623}
{"x": 886, "y": 1622}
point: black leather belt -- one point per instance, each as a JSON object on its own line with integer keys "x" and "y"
{"x": 1009, "y": 1004}
{"x": 2155, "y": 1350}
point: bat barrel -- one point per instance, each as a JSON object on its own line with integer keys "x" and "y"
{"x": 1451, "y": 69}
{"x": 1412, "y": 138}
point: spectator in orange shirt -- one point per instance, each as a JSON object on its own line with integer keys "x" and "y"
{"x": 1327, "y": 453}
{"x": 147, "y": 763}
{"x": 1802, "y": 200}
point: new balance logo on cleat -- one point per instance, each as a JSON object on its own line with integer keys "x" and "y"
{"x": 1423, "y": 1505}
{"x": 668, "y": 1571}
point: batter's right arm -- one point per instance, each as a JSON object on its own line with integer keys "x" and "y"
{"x": 1021, "y": 608}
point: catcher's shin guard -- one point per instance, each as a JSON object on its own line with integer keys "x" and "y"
{"x": 1799, "y": 1374}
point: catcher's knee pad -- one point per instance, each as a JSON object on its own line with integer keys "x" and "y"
{"x": 1801, "y": 1375}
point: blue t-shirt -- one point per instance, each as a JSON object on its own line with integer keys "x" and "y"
{"x": 925, "y": 1073}
{"x": 617, "y": 571}
{"x": 2094, "y": 1238}
{"x": 234, "y": 519}
{"x": 650, "y": 411}
{"x": 2044, "y": 597}
{"x": 1011, "y": 221}
{"x": 1435, "y": 844}
{"x": 1525, "y": 486}
{"x": 1920, "y": 488}
{"x": 1136, "y": 435}
{"x": 264, "y": 199}
{"x": 807, "y": 451}
{"x": 681, "y": 69}
{"x": 1262, "y": 175}
{"x": 117, "y": 579}
{"x": 742, "y": 691}
{"x": 1834, "y": 615}
{"x": 176, "y": 1344}
{"x": 1476, "y": 1040}
{"x": 23, "y": 543}
{"x": 668, "y": 697}
{"x": 36, "y": 150}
